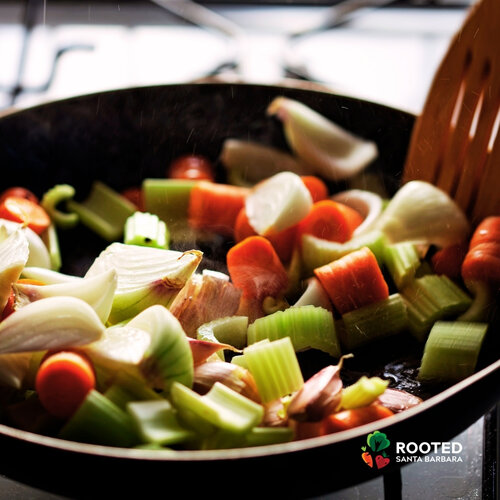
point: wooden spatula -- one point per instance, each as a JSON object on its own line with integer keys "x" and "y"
{"x": 455, "y": 143}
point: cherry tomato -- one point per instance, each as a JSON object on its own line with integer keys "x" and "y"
{"x": 19, "y": 192}
{"x": 191, "y": 167}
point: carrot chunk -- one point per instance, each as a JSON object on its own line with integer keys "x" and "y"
{"x": 353, "y": 281}
{"x": 25, "y": 211}
{"x": 349, "y": 419}
{"x": 63, "y": 381}
{"x": 215, "y": 207}
{"x": 317, "y": 188}
{"x": 255, "y": 268}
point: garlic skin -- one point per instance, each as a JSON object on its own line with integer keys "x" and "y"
{"x": 38, "y": 252}
{"x": 14, "y": 253}
{"x": 97, "y": 291}
{"x": 327, "y": 149}
{"x": 146, "y": 276}
{"x": 51, "y": 323}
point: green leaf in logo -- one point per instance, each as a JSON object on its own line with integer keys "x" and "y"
{"x": 377, "y": 441}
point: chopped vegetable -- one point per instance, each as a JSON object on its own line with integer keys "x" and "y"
{"x": 145, "y": 229}
{"x": 19, "y": 192}
{"x": 63, "y": 381}
{"x": 277, "y": 203}
{"x": 451, "y": 351}
{"x": 191, "y": 167}
{"x": 103, "y": 211}
{"x": 325, "y": 147}
{"x": 363, "y": 392}
{"x": 353, "y": 281}
{"x": 348, "y": 419}
{"x": 256, "y": 269}
{"x": 55, "y": 196}
{"x": 215, "y": 207}
{"x": 275, "y": 368}
{"x": 316, "y": 187}
{"x": 448, "y": 260}
{"x": 26, "y": 212}
{"x": 402, "y": 261}
{"x": 308, "y": 327}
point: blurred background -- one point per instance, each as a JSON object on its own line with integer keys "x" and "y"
{"x": 382, "y": 50}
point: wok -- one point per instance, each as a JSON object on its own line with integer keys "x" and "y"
{"x": 124, "y": 136}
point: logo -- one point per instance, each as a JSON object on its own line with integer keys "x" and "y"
{"x": 375, "y": 454}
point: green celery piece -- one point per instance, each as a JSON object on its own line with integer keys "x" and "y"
{"x": 431, "y": 298}
{"x": 275, "y": 368}
{"x": 381, "y": 319}
{"x": 451, "y": 351}
{"x": 54, "y": 197}
{"x": 104, "y": 211}
{"x": 402, "y": 262}
{"x": 221, "y": 407}
{"x": 262, "y": 436}
{"x": 309, "y": 327}
{"x": 157, "y": 422}
{"x": 128, "y": 388}
{"x": 145, "y": 229}
{"x": 363, "y": 392}
{"x": 51, "y": 240}
{"x": 169, "y": 200}
{"x": 317, "y": 252}
{"x": 239, "y": 359}
{"x": 230, "y": 330}
{"x": 99, "y": 421}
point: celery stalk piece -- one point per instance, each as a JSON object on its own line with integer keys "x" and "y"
{"x": 221, "y": 407}
{"x": 146, "y": 276}
{"x": 229, "y": 330}
{"x": 374, "y": 321}
{"x": 309, "y": 327}
{"x": 127, "y": 388}
{"x": 104, "y": 211}
{"x": 169, "y": 200}
{"x": 275, "y": 368}
{"x": 145, "y": 229}
{"x": 55, "y": 196}
{"x": 451, "y": 351}
{"x": 14, "y": 252}
{"x": 430, "y": 298}
{"x": 240, "y": 360}
{"x": 156, "y": 422}
{"x": 362, "y": 393}
{"x": 51, "y": 240}
{"x": 402, "y": 262}
{"x": 99, "y": 421}
{"x": 317, "y": 252}
{"x": 262, "y": 436}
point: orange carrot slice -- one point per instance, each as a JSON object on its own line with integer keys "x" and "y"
{"x": 348, "y": 419}
{"x": 317, "y": 188}
{"x": 256, "y": 269}
{"x": 215, "y": 207}
{"x": 63, "y": 381}
{"x": 353, "y": 281}
{"x": 25, "y": 211}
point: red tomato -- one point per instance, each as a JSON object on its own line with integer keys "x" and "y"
{"x": 136, "y": 196}
{"x": 191, "y": 167}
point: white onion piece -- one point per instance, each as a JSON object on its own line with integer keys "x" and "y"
{"x": 97, "y": 291}
{"x": 38, "y": 252}
{"x": 422, "y": 213}
{"x": 14, "y": 252}
{"x": 248, "y": 162}
{"x": 52, "y": 323}
{"x": 368, "y": 204}
{"x": 277, "y": 203}
{"x": 48, "y": 276}
{"x": 326, "y": 148}
{"x": 314, "y": 295}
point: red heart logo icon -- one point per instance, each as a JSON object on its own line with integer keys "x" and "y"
{"x": 381, "y": 461}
